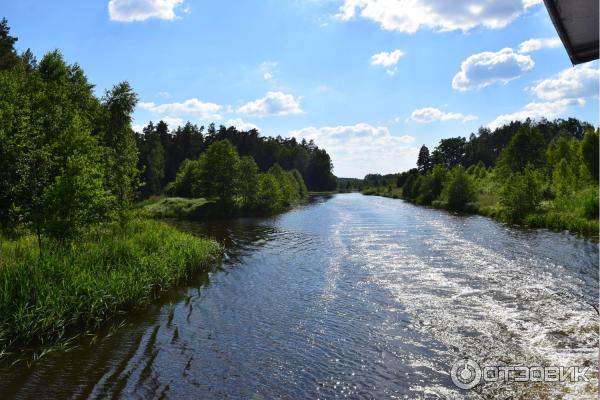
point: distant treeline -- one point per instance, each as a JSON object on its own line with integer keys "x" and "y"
{"x": 236, "y": 183}
{"x": 163, "y": 152}
{"x": 539, "y": 173}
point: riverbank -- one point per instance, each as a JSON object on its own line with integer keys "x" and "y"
{"x": 48, "y": 296}
{"x": 195, "y": 209}
{"x": 550, "y": 216}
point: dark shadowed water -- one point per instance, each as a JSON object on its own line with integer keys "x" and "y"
{"x": 347, "y": 297}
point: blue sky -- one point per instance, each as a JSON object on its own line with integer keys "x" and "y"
{"x": 368, "y": 80}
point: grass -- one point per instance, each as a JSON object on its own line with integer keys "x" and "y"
{"x": 173, "y": 207}
{"x": 578, "y": 213}
{"x": 43, "y": 299}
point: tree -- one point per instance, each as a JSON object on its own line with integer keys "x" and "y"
{"x": 424, "y": 160}
{"x": 153, "y": 161}
{"x": 589, "y": 151}
{"x": 302, "y": 190}
{"x": 521, "y": 193}
{"x": 122, "y": 153}
{"x": 563, "y": 178}
{"x": 451, "y": 152}
{"x": 248, "y": 181}
{"x": 8, "y": 54}
{"x": 460, "y": 190}
{"x": 526, "y": 147}
{"x": 220, "y": 172}
{"x": 75, "y": 199}
{"x": 269, "y": 196}
{"x": 187, "y": 181}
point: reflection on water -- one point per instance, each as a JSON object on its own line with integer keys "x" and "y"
{"x": 348, "y": 296}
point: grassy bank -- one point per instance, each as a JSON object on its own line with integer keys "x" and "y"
{"x": 554, "y": 215}
{"x": 82, "y": 284}
{"x": 174, "y": 207}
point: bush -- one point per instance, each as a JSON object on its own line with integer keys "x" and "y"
{"x": 521, "y": 194}
{"x": 459, "y": 190}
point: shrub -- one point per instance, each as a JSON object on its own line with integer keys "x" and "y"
{"x": 459, "y": 190}
{"x": 521, "y": 194}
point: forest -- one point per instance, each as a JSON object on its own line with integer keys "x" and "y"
{"x": 74, "y": 248}
{"x": 539, "y": 174}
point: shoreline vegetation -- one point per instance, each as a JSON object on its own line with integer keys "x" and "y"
{"x": 48, "y": 297}
{"x": 77, "y": 246}
{"x": 537, "y": 175}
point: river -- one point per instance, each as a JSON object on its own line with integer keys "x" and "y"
{"x": 348, "y": 296}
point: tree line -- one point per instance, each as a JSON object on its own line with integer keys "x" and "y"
{"x": 163, "y": 152}
{"x": 236, "y": 182}
{"x": 542, "y": 173}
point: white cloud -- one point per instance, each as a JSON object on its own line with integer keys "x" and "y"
{"x": 173, "y": 122}
{"x": 140, "y": 10}
{"x": 357, "y": 150}
{"x": 483, "y": 69}
{"x": 387, "y": 60}
{"x": 443, "y": 15}
{"x": 193, "y": 107}
{"x": 531, "y": 45}
{"x": 273, "y": 103}
{"x": 241, "y": 125}
{"x": 429, "y": 114}
{"x": 566, "y": 89}
{"x": 549, "y": 109}
{"x": 577, "y": 82}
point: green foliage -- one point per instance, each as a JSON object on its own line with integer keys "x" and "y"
{"x": 300, "y": 185}
{"x": 289, "y": 186}
{"x": 8, "y": 54}
{"x": 521, "y": 193}
{"x": 248, "y": 181}
{"x": 187, "y": 181}
{"x": 76, "y": 199}
{"x": 269, "y": 195}
{"x": 220, "y": 172}
{"x": 105, "y": 272}
{"x": 152, "y": 161}
{"x": 424, "y": 160}
{"x": 121, "y": 154}
{"x": 46, "y": 118}
{"x": 589, "y": 150}
{"x": 174, "y": 207}
{"x": 459, "y": 191}
{"x": 526, "y": 147}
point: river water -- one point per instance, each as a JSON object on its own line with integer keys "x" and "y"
{"x": 348, "y": 296}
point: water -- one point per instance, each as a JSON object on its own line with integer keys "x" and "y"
{"x": 347, "y": 297}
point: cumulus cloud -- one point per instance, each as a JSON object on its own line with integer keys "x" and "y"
{"x": 556, "y": 94}
{"x": 548, "y": 109}
{"x": 193, "y": 107}
{"x": 443, "y": 15}
{"x": 429, "y": 114}
{"x": 140, "y": 10}
{"x": 241, "y": 125}
{"x": 357, "y": 150}
{"x": 532, "y": 45}
{"x": 483, "y": 69}
{"x": 387, "y": 60}
{"x": 577, "y": 82}
{"x": 273, "y": 103}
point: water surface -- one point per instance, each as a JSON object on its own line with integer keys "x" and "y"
{"x": 347, "y": 297}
